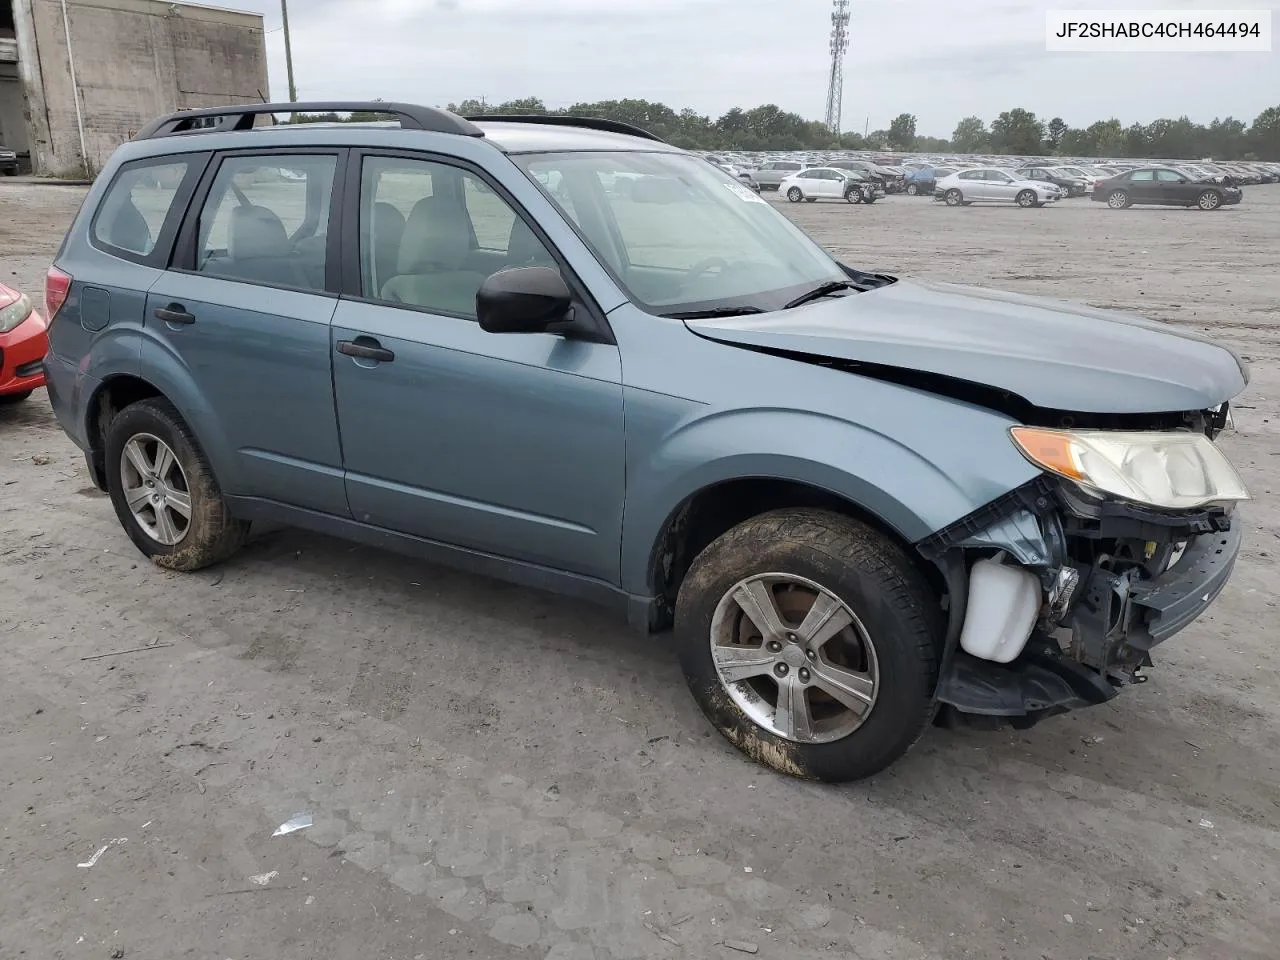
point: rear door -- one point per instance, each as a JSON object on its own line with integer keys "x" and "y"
{"x": 508, "y": 444}
{"x": 1143, "y": 187}
{"x": 240, "y": 324}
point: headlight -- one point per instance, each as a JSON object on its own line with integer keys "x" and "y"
{"x": 14, "y": 313}
{"x": 1174, "y": 470}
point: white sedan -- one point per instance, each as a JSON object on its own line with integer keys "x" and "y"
{"x": 994, "y": 185}
{"x": 828, "y": 183}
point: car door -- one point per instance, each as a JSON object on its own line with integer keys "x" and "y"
{"x": 1173, "y": 187}
{"x": 972, "y": 185}
{"x": 508, "y": 444}
{"x": 1143, "y": 187}
{"x": 999, "y": 186}
{"x": 832, "y": 185}
{"x": 240, "y": 324}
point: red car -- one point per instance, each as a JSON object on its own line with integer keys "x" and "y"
{"x": 23, "y": 344}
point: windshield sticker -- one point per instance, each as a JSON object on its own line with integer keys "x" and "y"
{"x": 744, "y": 193}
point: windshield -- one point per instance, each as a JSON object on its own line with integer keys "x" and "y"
{"x": 679, "y": 235}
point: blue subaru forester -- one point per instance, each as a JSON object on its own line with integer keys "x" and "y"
{"x": 563, "y": 353}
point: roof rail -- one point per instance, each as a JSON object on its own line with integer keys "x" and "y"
{"x": 556, "y": 120}
{"x": 241, "y": 116}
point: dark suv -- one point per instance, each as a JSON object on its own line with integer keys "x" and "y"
{"x": 564, "y": 353}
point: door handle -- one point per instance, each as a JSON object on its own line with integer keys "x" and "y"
{"x": 175, "y": 313}
{"x": 366, "y": 348}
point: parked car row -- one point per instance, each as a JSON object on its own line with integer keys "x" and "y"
{"x": 919, "y": 176}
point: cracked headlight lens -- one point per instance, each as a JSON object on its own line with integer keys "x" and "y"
{"x": 1173, "y": 470}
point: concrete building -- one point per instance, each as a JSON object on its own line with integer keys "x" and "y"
{"x": 79, "y": 77}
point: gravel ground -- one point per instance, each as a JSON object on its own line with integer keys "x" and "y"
{"x": 495, "y": 773}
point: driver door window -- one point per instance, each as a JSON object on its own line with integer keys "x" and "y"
{"x": 430, "y": 234}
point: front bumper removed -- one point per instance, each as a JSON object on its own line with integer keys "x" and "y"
{"x": 1103, "y": 606}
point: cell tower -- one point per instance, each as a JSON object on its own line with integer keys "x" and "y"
{"x": 839, "y": 46}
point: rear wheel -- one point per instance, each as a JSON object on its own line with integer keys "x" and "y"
{"x": 8, "y": 399}
{"x": 912, "y": 190}
{"x": 164, "y": 491}
{"x": 795, "y": 195}
{"x": 1027, "y": 198}
{"x": 1118, "y": 200}
{"x": 1209, "y": 200}
{"x": 953, "y": 197}
{"x": 811, "y": 643}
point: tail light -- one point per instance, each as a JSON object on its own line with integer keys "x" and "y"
{"x": 57, "y": 285}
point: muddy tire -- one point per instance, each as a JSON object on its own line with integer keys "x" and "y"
{"x": 838, "y": 683}
{"x": 178, "y": 517}
{"x": 11, "y": 399}
{"x": 953, "y": 197}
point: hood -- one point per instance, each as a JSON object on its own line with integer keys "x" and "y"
{"x": 1053, "y": 354}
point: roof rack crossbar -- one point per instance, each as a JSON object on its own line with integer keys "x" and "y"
{"x": 556, "y": 120}
{"x": 241, "y": 116}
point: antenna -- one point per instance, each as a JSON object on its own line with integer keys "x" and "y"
{"x": 839, "y": 46}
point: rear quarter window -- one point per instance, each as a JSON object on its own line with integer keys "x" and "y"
{"x": 140, "y": 209}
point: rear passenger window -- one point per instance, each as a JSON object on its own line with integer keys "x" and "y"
{"x": 136, "y": 206}
{"x": 266, "y": 220}
{"x": 430, "y": 234}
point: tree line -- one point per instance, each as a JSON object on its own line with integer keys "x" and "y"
{"x": 1017, "y": 132}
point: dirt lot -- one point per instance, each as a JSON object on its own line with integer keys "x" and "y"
{"x": 495, "y": 773}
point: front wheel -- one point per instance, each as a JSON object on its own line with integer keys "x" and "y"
{"x": 853, "y": 196}
{"x": 164, "y": 491}
{"x": 953, "y": 197}
{"x": 794, "y": 195}
{"x": 811, "y": 643}
{"x": 912, "y": 190}
{"x": 1209, "y": 200}
{"x": 1026, "y": 198}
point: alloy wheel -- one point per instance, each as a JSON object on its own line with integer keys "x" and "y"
{"x": 155, "y": 488}
{"x": 794, "y": 657}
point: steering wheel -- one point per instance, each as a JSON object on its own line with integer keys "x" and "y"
{"x": 701, "y": 267}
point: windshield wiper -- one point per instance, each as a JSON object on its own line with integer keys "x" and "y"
{"x": 713, "y": 313}
{"x": 823, "y": 290}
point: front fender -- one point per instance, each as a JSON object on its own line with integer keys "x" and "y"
{"x": 917, "y": 480}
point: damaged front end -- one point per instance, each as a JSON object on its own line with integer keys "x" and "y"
{"x": 1058, "y": 592}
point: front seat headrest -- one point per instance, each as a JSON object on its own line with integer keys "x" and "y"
{"x": 256, "y": 232}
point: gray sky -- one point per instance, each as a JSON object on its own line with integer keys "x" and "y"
{"x": 939, "y": 59}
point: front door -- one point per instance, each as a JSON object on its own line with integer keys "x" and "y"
{"x": 509, "y": 444}
{"x": 1000, "y": 186}
{"x": 243, "y": 316}
{"x": 1173, "y": 187}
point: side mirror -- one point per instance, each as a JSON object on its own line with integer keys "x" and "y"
{"x": 523, "y": 300}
